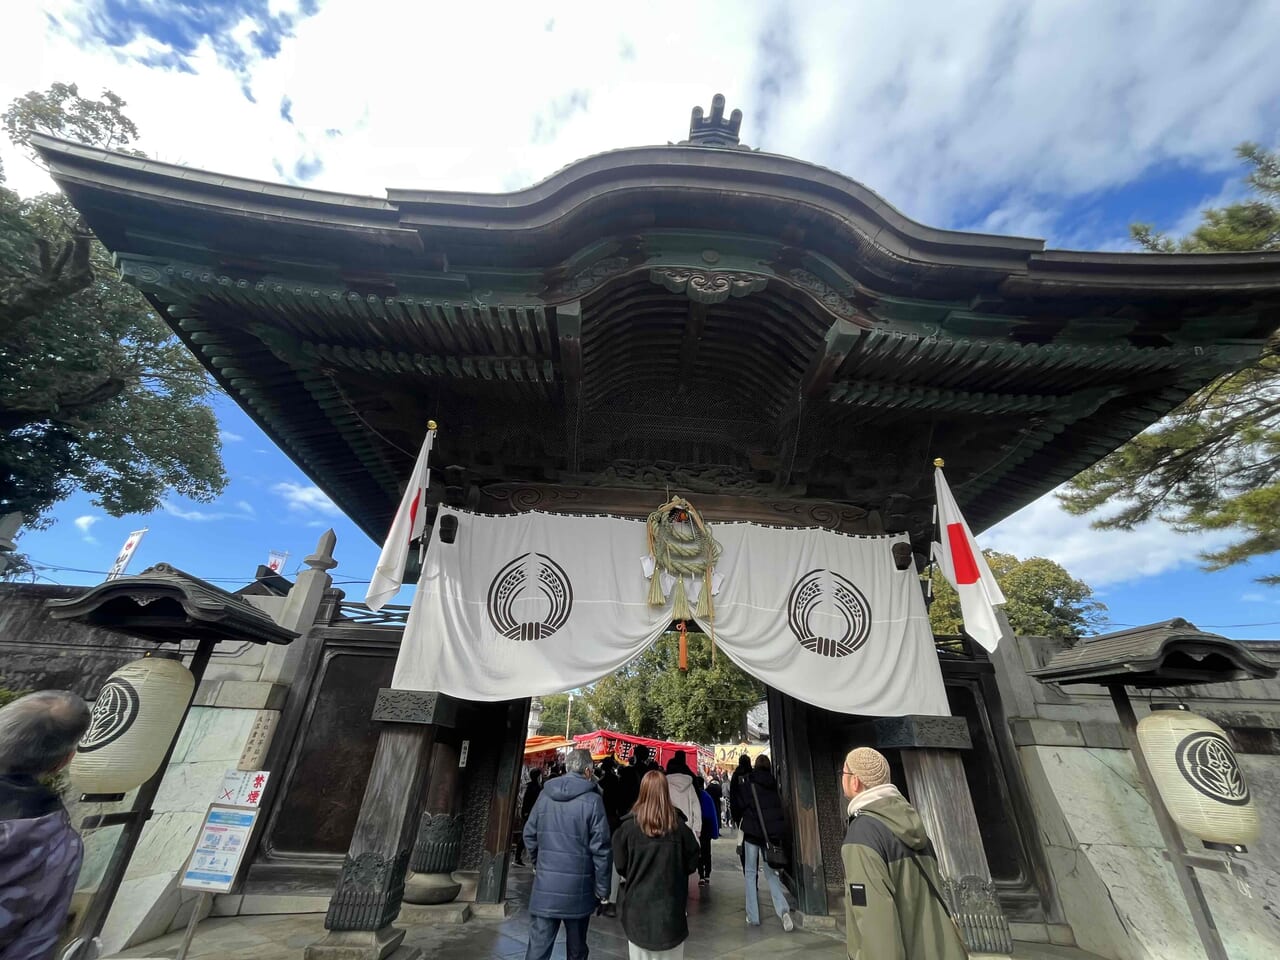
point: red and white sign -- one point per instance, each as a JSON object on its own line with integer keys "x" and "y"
{"x": 242, "y": 788}
{"x": 126, "y": 553}
{"x": 276, "y": 560}
{"x": 409, "y": 525}
{"x": 966, "y": 569}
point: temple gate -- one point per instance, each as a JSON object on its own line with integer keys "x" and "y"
{"x": 759, "y": 334}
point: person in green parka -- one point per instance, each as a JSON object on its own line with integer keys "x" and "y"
{"x": 893, "y": 890}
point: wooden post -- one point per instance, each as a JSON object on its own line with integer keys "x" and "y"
{"x": 930, "y": 750}
{"x": 492, "y": 887}
{"x": 367, "y": 897}
{"x": 1184, "y": 871}
{"x": 794, "y": 767}
{"x": 439, "y": 842}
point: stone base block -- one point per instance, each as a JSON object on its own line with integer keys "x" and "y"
{"x": 436, "y": 913}
{"x": 493, "y": 911}
{"x": 362, "y": 945}
{"x": 430, "y": 888}
{"x": 470, "y": 880}
{"x": 258, "y": 904}
{"x": 816, "y": 921}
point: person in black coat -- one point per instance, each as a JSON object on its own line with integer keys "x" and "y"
{"x": 736, "y": 786}
{"x": 763, "y": 822}
{"x": 655, "y": 851}
{"x": 716, "y": 793}
{"x": 631, "y": 775}
{"x": 611, "y": 789}
{"x": 530, "y": 798}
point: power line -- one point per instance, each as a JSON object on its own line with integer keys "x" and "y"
{"x": 38, "y": 565}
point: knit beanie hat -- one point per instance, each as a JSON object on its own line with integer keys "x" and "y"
{"x": 868, "y": 765}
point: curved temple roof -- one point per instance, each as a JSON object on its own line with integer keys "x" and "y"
{"x": 745, "y": 327}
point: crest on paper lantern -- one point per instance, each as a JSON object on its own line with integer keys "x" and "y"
{"x": 1198, "y": 776}
{"x": 113, "y": 714}
{"x": 1209, "y": 764}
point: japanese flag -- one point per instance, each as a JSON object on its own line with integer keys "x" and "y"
{"x": 966, "y": 569}
{"x": 409, "y": 525}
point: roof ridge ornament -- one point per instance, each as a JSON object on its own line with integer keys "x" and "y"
{"x": 715, "y": 130}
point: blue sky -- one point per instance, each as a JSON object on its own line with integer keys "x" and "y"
{"x": 1062, "y": 120}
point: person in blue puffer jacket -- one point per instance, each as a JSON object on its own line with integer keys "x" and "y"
{"x": 710, "y": 831}
{"x": 567, "y": 838}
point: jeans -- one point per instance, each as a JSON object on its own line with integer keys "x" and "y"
{"x": 755, "y": 858}
{"x": 542, "y": 937}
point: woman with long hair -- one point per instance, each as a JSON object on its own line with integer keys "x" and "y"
{"x": 655, "y": 851}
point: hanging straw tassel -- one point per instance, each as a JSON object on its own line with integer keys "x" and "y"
{"x": 706, "y": 609}
{"x": 656, "y": 597}
{"x": 684, "y": 646}
{"x": 680, "y": 602}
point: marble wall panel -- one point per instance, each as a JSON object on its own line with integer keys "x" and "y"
{"x": 213, "y": 733}
{"x": 1099, "y": 793}
{"x": 165, "y": 843}
{"x": 1249, "y": 916}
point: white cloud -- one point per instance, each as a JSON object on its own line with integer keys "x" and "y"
{"x": 306, "y": 499}
{"x": 226, "y": 436}
{"x": 84, "y": 525}
{"x": 1098, "y": 557}
{"x": 998, "y": 115}
{"x": 1254, "y": 597}
{"x": 243, "y": 511}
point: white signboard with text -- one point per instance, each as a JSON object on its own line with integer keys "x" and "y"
{"x": 224, "y": 836}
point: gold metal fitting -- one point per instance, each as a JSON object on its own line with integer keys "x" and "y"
{"x": 431, "y": 425}
{"x": 939, "y": 462}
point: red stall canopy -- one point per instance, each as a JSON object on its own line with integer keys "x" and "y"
{"x": 606, "y": 743}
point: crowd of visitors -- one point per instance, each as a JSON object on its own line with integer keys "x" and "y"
{"x": 625, "y": 841}
{"x": 640, "y": 833}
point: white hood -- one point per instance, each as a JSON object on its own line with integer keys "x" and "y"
{"x": 685, "y": 798}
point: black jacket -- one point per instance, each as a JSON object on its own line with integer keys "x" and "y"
{"x": 716, "y": 793}
{"x": 653, "y": 901}
{"x": 775, "y": 820}
{"x": 530, "y": 798}
{"x": 630, "y": 777}
{"x": 611, "y": 790}
{"x": 737, "y": 806}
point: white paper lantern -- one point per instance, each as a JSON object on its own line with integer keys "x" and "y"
{"x": 1198, "y": 777}
{"x": 133, "y": 721}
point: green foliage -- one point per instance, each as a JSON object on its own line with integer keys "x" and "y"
{"x": 1252, "y": 224}
{"x": 1044, "y": 600}
{"x": 652, "y": 697}
{"x": 555, "y": 715}
{"x": 96, "y": 393}
{"x": 60, "y": 111}
{"x": 1214, "y": 463}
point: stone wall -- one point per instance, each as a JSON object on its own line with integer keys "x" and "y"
{"x": 37, "y": 653}
{"x": 1105, "y": 852}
